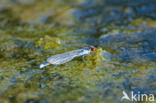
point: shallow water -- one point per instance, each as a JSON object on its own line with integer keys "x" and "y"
{"x": 123, "y": 32}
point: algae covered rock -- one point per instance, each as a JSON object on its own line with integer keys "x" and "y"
{"x": 123, "y": 32}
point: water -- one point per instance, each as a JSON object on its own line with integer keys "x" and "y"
{"x": 123, "y": 31}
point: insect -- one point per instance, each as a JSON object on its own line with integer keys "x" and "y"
{"x": 68, "y": 56}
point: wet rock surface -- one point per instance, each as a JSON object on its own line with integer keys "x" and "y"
{"x": 32, "y": 30}
{"x": 131, "y": 47}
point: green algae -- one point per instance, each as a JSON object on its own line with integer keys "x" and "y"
{"x": 143, "y": 22}
{"x": 48, "y": 42}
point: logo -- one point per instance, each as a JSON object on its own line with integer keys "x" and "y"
{"x": 137, "y": 96}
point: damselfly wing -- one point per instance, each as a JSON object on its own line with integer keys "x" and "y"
{"x": 66, "y": 57}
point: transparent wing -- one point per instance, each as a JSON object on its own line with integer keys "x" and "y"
{"x": 64, "y": 57}
{"x": 62, "y": 60}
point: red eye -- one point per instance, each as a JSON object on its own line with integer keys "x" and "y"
{"x": 93, "y": 49}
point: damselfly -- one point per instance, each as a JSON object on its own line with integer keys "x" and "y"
{"x": 68, "y": 56}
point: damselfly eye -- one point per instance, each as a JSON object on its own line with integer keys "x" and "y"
{"x": 93, "y": 49}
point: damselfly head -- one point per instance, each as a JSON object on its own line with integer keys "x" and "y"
{"x": 91, "y": 48}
